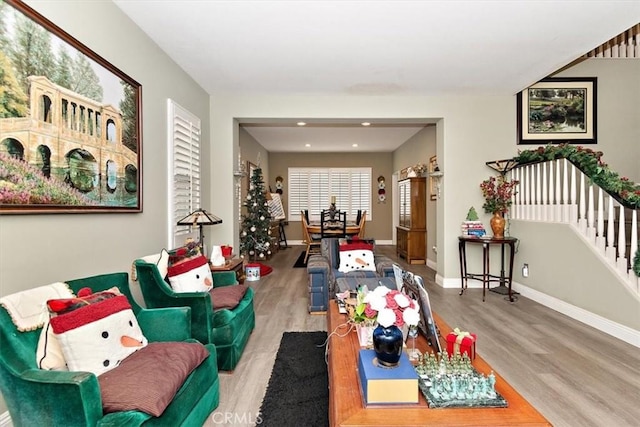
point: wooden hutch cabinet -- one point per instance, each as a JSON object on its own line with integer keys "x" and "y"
{"x": 411, "y": 233}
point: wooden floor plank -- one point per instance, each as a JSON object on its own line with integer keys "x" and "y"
{"x": 573, "y": 374}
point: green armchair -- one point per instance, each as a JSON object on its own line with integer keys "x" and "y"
{"x": 227, "y": 329}
{"x": 41, "y": 397}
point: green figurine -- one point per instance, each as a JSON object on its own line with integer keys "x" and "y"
{"x": 472, "y": 215}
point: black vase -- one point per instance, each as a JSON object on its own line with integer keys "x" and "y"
{"x": 387, "y": 343}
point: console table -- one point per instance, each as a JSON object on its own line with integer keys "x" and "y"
{"x": 486, "y": 277}
{"x": 345, "y": 399}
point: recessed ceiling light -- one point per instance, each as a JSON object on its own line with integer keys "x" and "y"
{"x": 301, "y": 123}
{"x": 307, "y": 145}
{"x": 354, "y": 145}
{"x": 365, "y": 124}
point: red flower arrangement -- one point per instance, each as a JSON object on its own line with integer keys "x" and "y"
{"x": 386, "y": 307}
{"x": 498, "y": 194}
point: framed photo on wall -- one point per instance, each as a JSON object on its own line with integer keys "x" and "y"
{"x": 70, "y": 137}
{"x": 433, "y": 189}
{"x": 558, "y": 110}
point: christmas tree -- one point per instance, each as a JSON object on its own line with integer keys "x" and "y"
{"x": 255, "y": 234}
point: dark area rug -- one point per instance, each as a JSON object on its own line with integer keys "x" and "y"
{"x": 300, "y": 261}
{"x": 298, "y": 390}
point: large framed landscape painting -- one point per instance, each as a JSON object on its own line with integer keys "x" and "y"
{"x": 558, "y": 110}
{"x": 70, "y": 122}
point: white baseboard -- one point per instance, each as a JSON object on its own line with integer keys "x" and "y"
{"x": 5, "y": 420}
{"x": 607, "y": 326}
{"x": 455, "y": 283}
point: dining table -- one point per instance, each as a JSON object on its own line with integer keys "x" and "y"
{"x": 316, "y": 228}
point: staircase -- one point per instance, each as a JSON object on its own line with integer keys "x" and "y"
{"x": 557, "y": 191}
{"x": 624, "y": 45}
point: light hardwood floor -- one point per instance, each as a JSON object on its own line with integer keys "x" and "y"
{"x": 573, "y": 374}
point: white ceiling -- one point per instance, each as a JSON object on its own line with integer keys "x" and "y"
{"x": 397, "y": 48}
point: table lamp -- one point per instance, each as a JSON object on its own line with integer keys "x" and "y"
{"x": 200, "y": 217}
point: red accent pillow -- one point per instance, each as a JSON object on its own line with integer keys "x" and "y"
{"x": 227, "y": 296}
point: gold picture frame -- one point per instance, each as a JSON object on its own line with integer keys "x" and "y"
{"x": 77, "y": 143}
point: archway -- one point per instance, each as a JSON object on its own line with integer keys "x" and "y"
{"x": 131, "y": 178}
{"x": 13, "y": 148}
{"x": 43, "y": 161}
{"x": 82, "y": 172}
{"x": 112, "y": 176}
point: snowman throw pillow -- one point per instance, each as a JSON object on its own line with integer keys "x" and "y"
{"x": 191, "y": 275}
{"x": 356, "y": 255}
{"x": 96, "y": 332}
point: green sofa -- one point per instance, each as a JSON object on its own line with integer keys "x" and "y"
{"x": 227, "y": 329}
{"x": 55, "y": 398}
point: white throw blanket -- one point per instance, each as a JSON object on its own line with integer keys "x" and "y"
{"x": 28, "y": 309}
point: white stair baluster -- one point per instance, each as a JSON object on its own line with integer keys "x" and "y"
{"x": 581, "y": 218}
{"x": 634, "y": 246}
{"x": 552, "y": 199}
{"x": 591, "y": 231}
{"x": 622, "y": 243}
{"x": 538, "y": 197}
{"x": 565, "y": 191}
{"x": 518, "y": 175}
{"x": 574, "y": 199}
{"x": 611, "y": 249}
{"x": 559, "y": 194}
{"x": 600, "y": 241}
{"x": 544, "y": 201}
{"x": 527, "y": 201}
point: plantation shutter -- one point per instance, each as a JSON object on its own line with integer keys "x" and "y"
{"x": 184, "y": 185}
{"x": 311, "y": 189}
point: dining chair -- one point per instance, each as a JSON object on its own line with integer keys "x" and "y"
{"x": 361, "y": 224}
{"x": 312, "y": 240}
{"x": 333, "y": 223}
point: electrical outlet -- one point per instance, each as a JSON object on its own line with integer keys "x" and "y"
{"x": 525, "y": 270}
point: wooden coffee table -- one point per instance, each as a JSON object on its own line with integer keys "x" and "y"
{"x": 347, "y": 409}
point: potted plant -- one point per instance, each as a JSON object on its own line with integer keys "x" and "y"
{"x": 498, "y": 195}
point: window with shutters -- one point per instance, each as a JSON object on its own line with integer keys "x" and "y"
{"x": 184, "y": 160}
{"x": 312, "y": 188}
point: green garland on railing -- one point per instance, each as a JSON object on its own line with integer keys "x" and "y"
{"x": 636, "y": 262}
{"x": 590, "y": 163}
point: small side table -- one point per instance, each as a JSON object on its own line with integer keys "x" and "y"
{"x": 486, "y": 277}
{"x": 235, "y": 264}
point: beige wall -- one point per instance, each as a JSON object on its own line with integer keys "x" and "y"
{"x": 618, "y": 111}
{"x": 255, "y": 153}
{"x": 419, "y": 149}
{"x": 37, "y": 250}
{"x": 380, "y": 225}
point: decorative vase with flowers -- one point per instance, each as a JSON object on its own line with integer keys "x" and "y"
{"x": 390, "y": 310}
{"x": 498, "y": 194}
